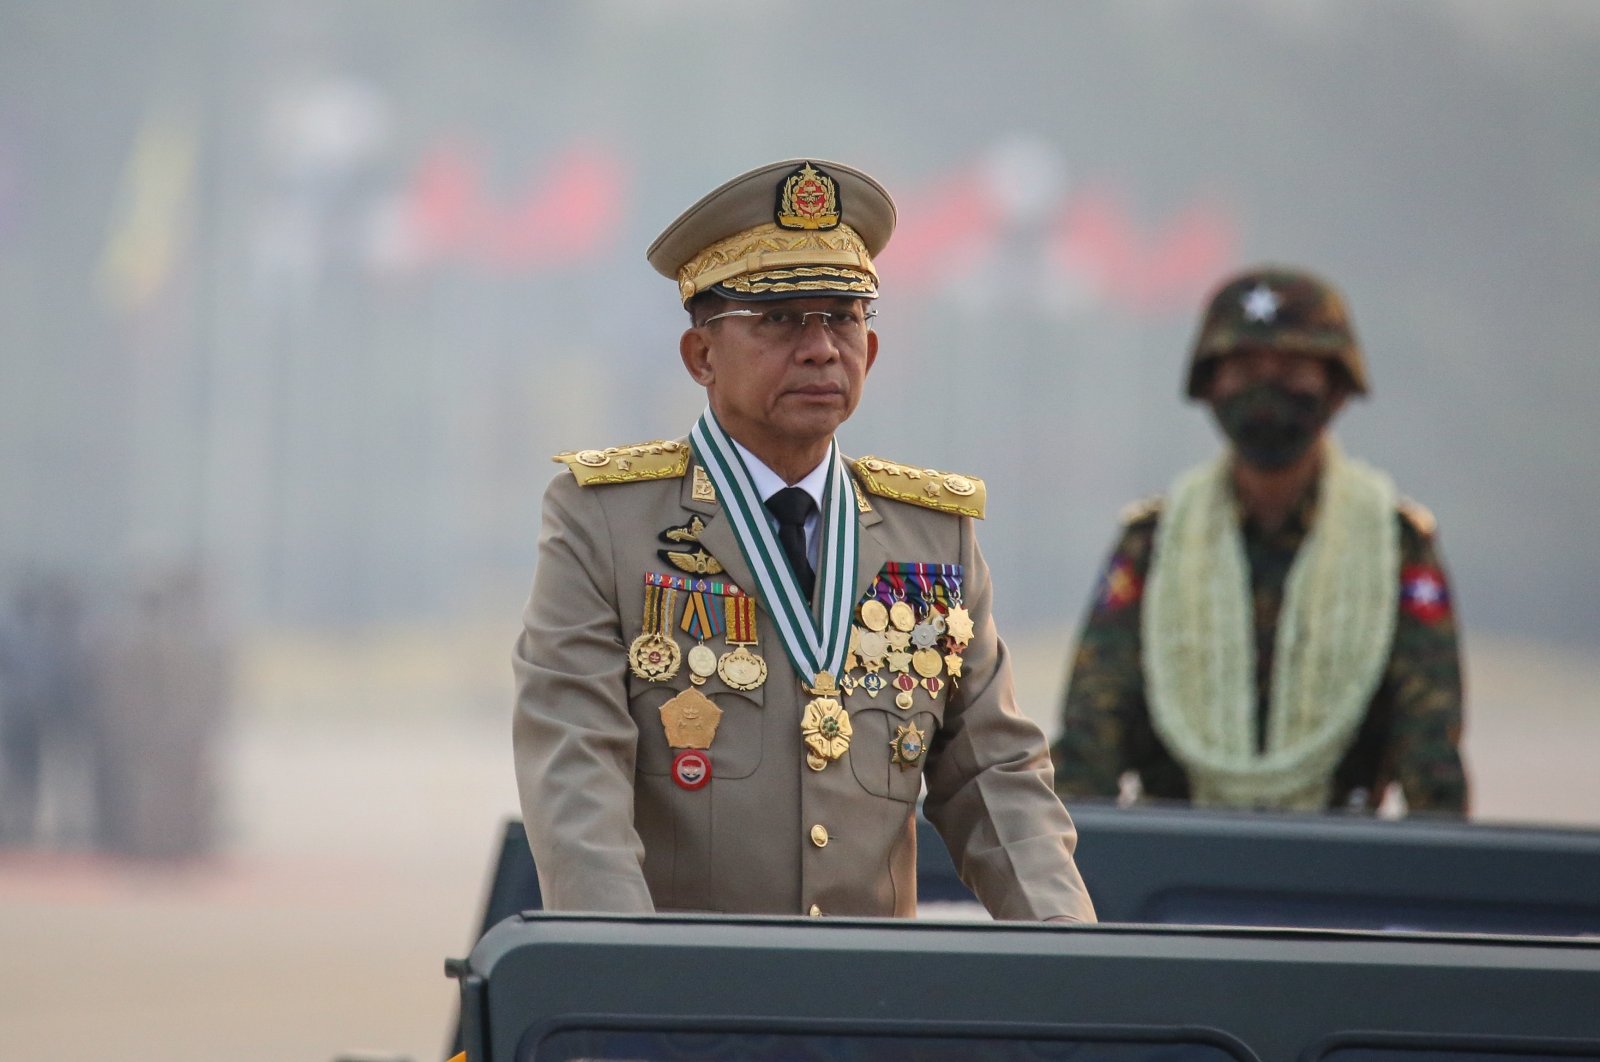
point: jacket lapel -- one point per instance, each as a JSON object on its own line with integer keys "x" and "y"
{"x": 718, "y": 537}
{"x": 719, "y": 540}
{"x": 871, "y": 550}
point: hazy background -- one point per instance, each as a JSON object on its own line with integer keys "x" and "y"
{"x": 296, "y": 299}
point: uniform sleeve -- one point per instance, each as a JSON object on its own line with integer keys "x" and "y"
{"x": 575, "y": 742}
{"x": 988, "y": 779}
{"x": 1104, "y": 711}
{"x": 1424, "y": 679}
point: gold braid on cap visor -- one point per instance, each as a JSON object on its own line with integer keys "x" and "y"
{"x": 769, "y": 259}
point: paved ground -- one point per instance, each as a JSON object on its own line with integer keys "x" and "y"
{"x": 360, "y": 827}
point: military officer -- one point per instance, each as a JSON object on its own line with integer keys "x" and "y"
{"x": 1277, "y": 631}
{"x": 744, "y": 654}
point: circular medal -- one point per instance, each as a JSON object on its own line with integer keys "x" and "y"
{"x": 902, "y": 616}
{"x": 873, "y": 615}
{"x": 927, "y": 662}
{"x": 654, "y": 657}
{"x": 903, "y": 700}
{"x": 742, "y": 669}
{"x": 873, "y": 647}
{"x": 702, "y": 663}
{"x": 691, "y": 769}
{"x": 815, "y": 762}
{"x": 923, "y": 636}
{"x": 936, "y": 620}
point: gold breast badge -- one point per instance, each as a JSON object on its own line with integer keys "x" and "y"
{"x": 740, "y": 668}
{"x": 874, "y": 617}
{"x": 690, "y": 720}
{"x": 825, "y": 725}
{"x": 908, "y": 746}
{"x": 654, "y": 656}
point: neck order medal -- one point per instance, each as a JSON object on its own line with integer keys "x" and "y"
{"x": 825, "y": 725}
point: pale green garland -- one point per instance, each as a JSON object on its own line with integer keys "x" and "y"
{"x": 1333, "y": 639}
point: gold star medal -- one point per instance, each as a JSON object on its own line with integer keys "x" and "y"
{"x": 952, "y": 663}
{"x": 872, "y": 649}
{"x": 958, "y": 624}
{"x": 654, "y": 656}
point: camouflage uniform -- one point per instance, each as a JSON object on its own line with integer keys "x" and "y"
{"x": 1413, "y": 723}
{"x": 1411, "y": 732}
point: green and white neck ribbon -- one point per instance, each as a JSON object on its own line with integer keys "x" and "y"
{"x": 814, "y": 645}
{"x": 1332, "y": 644}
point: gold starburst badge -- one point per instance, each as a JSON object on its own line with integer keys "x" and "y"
{"x": 908, "y": 746}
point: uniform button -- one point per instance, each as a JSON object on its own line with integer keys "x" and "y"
{"x": 815, "y": 912}
{"x": 819, "y": 835}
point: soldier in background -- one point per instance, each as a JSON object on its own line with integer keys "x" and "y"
{"x": 163, "y": 675}
{"x": 43, "y": 702}
{"x": 1277, "y": 631}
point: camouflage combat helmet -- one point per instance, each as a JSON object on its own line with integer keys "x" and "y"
{"x": 1275, "y": 306}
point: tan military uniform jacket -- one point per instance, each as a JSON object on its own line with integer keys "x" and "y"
{"x": 611, "y": 831}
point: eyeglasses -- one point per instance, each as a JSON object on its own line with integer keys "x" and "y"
{"x": 791, "y": 324}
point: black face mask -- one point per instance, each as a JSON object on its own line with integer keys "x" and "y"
{"x": 1272, "y": 427}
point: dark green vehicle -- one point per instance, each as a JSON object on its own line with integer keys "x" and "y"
{"x": 1285, "y": 939}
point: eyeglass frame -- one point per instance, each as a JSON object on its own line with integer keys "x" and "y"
{"x": 828, "y": 317}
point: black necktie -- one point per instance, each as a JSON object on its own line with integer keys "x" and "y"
{"x": 791, "y": 506}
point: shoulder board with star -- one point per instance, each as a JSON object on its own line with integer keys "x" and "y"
{"x": 1142, "y": 511}
{"x": 948, "y": 492}
{"x": 1418, "y": 516}
{"x": 661, "y": 459}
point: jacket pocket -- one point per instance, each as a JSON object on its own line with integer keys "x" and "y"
{"x": 888, "y": 748}
{"x": 735, "y": 750}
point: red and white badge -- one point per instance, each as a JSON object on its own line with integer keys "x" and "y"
{"x": 691, "y": 768}
{"x": 1423, "y": 593}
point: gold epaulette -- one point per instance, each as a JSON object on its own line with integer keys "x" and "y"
{"x": 1143, "y": 509}
{"x": 627, "y": 464}
{"x": 1418, "y": 516}
{"x": 947, "y": 492}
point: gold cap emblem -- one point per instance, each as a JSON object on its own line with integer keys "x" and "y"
{"x": 808, "y": 199}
